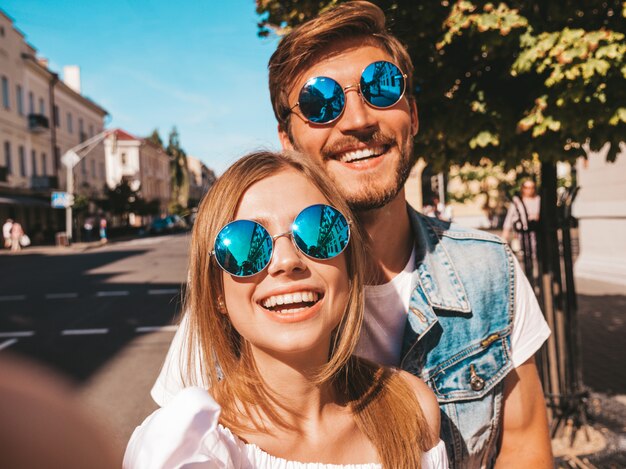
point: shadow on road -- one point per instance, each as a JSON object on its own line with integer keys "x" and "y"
{"x": 76, "y": 312}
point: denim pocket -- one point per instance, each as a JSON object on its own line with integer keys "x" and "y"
{"x": 473, "y": 372}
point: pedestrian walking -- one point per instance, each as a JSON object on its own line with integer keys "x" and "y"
{"x": 6, "y": 232}
{"x": 16, "y": 236}
{"x": 88, "y": 228}
{"x": 103, "y": 230}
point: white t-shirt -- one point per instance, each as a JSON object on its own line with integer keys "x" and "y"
{"x": 386, "y": 307}
{"x": 186, "y": 434}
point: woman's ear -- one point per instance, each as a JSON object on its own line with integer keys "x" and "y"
{"x": 221, "y": 306}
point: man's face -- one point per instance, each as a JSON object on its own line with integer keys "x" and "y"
{"x": 367, "y": 152}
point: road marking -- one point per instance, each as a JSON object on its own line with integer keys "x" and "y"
{"x": 4, "y": 335}
{"x": 13, "y": 298}
{"x": 164, "y": 291}
{"x": 84, "y": 331}
{"x": 113, "y": 293}
{"x": 59, "y": 296}
{"x": 156, "y": 329}
{"x": 7, "y": 343}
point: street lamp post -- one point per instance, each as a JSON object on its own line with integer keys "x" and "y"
{"x": 70, "y": 159}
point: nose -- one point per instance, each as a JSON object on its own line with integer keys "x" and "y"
{"x": 358, "y": 117}
{"x": 286, "y": 259}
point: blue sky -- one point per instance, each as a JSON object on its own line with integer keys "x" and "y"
{"x": 197, "y": 64}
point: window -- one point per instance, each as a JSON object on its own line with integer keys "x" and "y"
{"x": 5, "y": 92}
{"x": 91, "y": 134}
{"x": 57, "y": 159}
{"x": 44, "y": 164}
{"x": 102, "y": 171}
{"x": 7, "y": 156}
{"x": 42, "y": 107}
{"x": 31, "y": 103}
{"x": 81, "y": 130}
{"x": 33, "y": 157}
{"x": 22, "y": 156}
{"x": 70, "y": 126}
{"x": 56, "y": 116}
{"x": 93, "y": 168}
{"x": 19, "y": 99}
{"x": 83, "y": 167}
{"x": 123, "y": 158}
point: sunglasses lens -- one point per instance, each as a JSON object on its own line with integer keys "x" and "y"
{"x": 243, "y": 248}
{"x": 321, "y": 100}
{"x": 382, "y": 84}
{"x": 321, "y": 231}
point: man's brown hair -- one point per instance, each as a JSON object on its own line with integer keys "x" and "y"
{"x": 299, "y": 49}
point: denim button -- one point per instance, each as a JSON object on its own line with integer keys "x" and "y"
{"x": 476, "y": 382}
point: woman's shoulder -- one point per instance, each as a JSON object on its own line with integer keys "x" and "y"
{"x": 427, "y": 401}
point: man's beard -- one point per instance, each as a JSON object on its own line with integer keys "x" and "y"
{"x": 369, "y": 197}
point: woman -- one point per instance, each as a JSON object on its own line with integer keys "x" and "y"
{"x": 275, "y": 304}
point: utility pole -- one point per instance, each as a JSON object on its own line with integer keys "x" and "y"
{"x": 70, "y": 159}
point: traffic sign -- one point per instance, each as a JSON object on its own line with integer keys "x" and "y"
{"x": 62, "y": 199}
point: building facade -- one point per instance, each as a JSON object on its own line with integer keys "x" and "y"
{"x": 201, "y": 178}
{"x": 41, "y": 117}
{"x": 146, "y": 169}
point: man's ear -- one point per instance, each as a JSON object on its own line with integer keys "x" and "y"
{"x": 415, "y": 122}
{"x": 283, "y": 136}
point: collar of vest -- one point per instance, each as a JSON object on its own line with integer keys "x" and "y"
{"x": 438, "y": 277}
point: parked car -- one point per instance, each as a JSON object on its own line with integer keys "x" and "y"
{"x": 168, "y": 224}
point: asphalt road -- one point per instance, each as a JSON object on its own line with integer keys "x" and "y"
{"x": 103, "y": 317}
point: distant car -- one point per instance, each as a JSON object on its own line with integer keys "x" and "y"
{"x": 168, "y": 224}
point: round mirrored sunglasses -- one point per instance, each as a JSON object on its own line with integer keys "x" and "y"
{"x": 322, "y": 99}
{"x": 244, "y": 247}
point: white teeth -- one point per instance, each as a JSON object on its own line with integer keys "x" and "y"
{"x": 360, "y": 154}
{"x": 290, "y": 298}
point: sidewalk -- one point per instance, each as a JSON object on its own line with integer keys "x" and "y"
{"x": 602, "y": 324}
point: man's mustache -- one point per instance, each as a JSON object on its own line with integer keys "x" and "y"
{"x": 376, "y": 138}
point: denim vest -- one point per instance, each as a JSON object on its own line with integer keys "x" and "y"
{"x": 458, "y": 334}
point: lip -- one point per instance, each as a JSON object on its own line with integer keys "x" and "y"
{"x": 364, "y": 164}
{"x": 291, "y": 318}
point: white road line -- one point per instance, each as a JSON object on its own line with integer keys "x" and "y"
{"x": 164, "y": 291}
{"x": 157, "y": 329}
{"x": 84, "y": 331}
{"x": 7, "y": 343}
{"x": 4, "y": 335}
{"x": 59, "y": 296}
{"x": 113, "y": 293}
{"x": 13, "y": 298}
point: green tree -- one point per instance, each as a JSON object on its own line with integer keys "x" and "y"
{"x": 122, "y": 200}
{"x": 155, "y": 138}
{"x": 179, "y": 174}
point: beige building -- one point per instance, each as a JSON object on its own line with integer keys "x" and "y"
{"x": 145, "y": 166}
{"x": 201, "y": 178}
{"x": 600, "y": 208}
{"x": 41, "y": 117}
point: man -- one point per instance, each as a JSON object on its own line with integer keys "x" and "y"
{"x": 447, "y": 304}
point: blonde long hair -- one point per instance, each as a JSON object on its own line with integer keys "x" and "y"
{"x": 375, "y": 394}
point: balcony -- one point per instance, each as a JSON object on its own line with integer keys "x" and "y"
{"x": 38, "y": 123}
{"x": 4, "y": 174}
{"x": 44, "y": 182}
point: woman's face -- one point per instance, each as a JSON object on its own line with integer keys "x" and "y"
{"x": 309, "y": 296}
